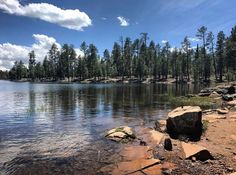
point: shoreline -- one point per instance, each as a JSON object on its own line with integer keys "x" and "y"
{"x": 120, "y": 81}
{"x": 218, "y": 139}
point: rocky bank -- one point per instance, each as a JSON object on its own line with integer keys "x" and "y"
{"x": 189, "y": 141}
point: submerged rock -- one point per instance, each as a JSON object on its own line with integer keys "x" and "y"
{"x": 185, "y": 120}
{"x": 197, "y": 151}
{"x": 130, "y": 153}
{"x": 135, "y": 166}
{"x": 122, "y": 133}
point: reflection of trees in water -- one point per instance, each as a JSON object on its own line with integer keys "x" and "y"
{"x": 32, "y": 103}
{"x": 120, "y": 100}
{"x": 89, "y": 97}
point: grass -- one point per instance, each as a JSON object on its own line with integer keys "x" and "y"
{"x": 204, "y": 102}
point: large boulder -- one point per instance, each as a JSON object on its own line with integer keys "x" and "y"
{"x": 186, "y": 120}
{"x": 197, "y": 151}
{"x": 122, "y": 133}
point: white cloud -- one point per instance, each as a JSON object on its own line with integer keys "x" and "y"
{"x": 79, "y": 52}
{"x": 164, "y": 41}
{"x": 104, "y": 19}
{"x": 71, "y": 19}
{"x": 123, "y": 22}
{"x": 193, "y": 39}
{"x": 9, "y": 53}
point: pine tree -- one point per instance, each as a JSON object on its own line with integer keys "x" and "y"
{"x": 32, "y": 64}
{"x": 186, "y": 46}
{"x": 202, "y": 34}
{"x": 220, "y": 52}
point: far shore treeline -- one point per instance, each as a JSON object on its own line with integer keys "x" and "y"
{"x": 214, "y": 58}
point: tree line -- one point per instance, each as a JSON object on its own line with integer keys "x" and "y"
{"x": 214, "y": 58}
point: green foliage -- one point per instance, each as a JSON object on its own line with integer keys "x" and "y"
{"x": 138, "y": 59}
{"x": 204, "y": 102}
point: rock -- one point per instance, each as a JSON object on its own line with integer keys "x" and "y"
{"x": 197, "y": 151}
{"x": 208, "y": 111}
{"x": 185, "y": 120}
{"x": 132, "y": 167}
{"x": 156, "y": 136}
{"x": 168, "y": 144}
{"x": 207, "y": 90}
{"x": 206, "y": 94}
{"x": 232, "y": 103}
{"x": 227, "y": 98}
{"x": 222, "y": 111}
{"x": 142, "y": 143}
{"x": 160, "y": 125}
{"x": 211, "y": 118}
{"x": 130, "y": 153}
{"x": 164, "y": 169}
{"x": 151, "y": 137}
{"x": 215, "y": 94}
{"x": 194, "y": 159}
{"x": 120, "y": 133}
{"x": 231, "y": 90}
{"x": 232, "y": 173}
{"x": 222, "y": 91}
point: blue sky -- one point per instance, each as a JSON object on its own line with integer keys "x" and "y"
{"x": 170, "y": 20}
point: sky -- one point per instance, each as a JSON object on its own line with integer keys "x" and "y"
{"x": 27, "y": 25}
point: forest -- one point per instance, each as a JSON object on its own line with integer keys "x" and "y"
{"x": 213, "y": 59}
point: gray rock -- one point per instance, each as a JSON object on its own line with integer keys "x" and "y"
{"x": 197, "y": 151}
{"x": 185, "y": 120}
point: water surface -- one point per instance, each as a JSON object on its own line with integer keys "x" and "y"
{"x": 58, "y": 128}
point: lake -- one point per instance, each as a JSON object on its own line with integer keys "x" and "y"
{"x": 59, "y": 128}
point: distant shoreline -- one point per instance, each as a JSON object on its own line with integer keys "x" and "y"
{"x": 117, "y": 81}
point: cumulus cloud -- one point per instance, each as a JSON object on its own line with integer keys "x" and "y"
{"x": 193, "y": 39}
{"x": 71, "y": 19}
{"x": 164, "y": 41}
{"x": 123, "y": 21}
{"x": 9, "y": 53}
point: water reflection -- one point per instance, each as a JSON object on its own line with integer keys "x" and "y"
{"x": 60, "y": 119}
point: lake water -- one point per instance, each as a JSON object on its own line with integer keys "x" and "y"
{"x": 59, "y": 128}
